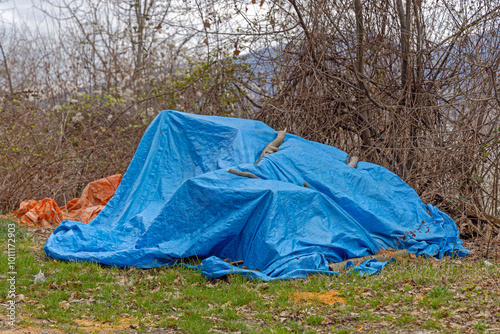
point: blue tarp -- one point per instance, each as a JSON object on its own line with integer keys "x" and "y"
{"x": 177, "y": 200}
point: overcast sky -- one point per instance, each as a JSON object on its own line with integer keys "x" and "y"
{"x": 19, "y": 12}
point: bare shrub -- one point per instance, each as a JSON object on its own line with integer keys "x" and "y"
{"x": 411, "y": 85}
{"x": 56, "y": 152}
{"x": 402, "y": 85}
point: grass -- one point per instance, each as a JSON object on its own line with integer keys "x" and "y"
{"x": 449, "y": 296}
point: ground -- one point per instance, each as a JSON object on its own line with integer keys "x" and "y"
{"x": 460, "y": 295}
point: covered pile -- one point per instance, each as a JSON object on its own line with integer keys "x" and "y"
{"x": 177, "y": 200}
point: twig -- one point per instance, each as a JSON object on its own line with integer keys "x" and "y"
{"x": 244, "y": 174}
{"x": 65, "y": 206}
{"x": 306, "y": 31}
{"x": 255, "y": 104}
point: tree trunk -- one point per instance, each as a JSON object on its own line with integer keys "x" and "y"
{"x": 360, "y": 49}
{"x": 7, "y": 70}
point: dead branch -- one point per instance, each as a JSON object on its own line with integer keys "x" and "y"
{"x": 272, "y": 147}
{"x": 491, "y": 220}
{"x": 243, "y": 174}
{"x": 353, "y": 162}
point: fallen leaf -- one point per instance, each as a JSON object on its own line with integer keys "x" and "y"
{"x": 419, "y": 296}
{"x": 64, "y": 305}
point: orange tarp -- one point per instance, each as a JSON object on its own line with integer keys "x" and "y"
{"x": 47, "y": 213}
{"x": 39, "y": 213}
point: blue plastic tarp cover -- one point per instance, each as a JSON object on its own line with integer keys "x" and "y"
{"x": 177, "y": 200}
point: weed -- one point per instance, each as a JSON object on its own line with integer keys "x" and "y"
{"x": 480, "y": 326}
{"x": 431, "y": 324}
{"x": 314, "y": 320}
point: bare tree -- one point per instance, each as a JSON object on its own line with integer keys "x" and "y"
{"x": 7, "y": 72}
